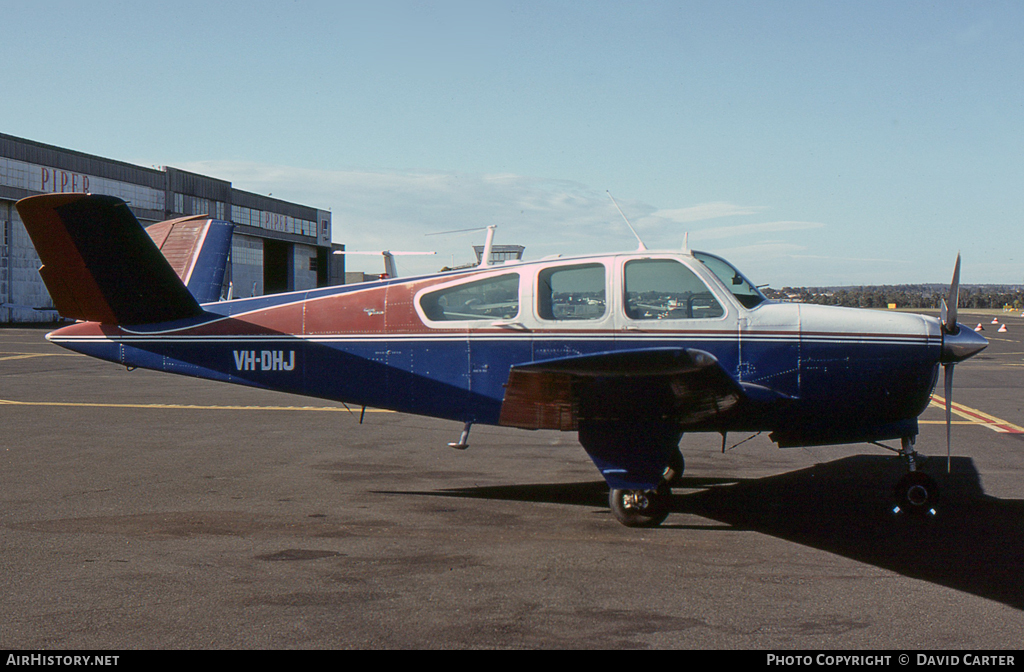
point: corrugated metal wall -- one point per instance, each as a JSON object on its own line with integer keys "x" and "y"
{"x": 23, "y": 296}
{"x": 66, "y": 159}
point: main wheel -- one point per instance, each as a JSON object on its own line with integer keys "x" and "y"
{"x": 639, "y": 508}
{"x": 917, "y": 493}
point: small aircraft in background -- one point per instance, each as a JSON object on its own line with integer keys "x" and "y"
{"x": 390, "y": 267}
{"x": 628, "y": 350}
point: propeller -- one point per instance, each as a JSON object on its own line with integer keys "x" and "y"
{"x": 948, "y": 314}
{"x": 948, "y": 318}
{"x": 957, "y": 345}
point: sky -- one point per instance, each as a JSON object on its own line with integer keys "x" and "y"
{"x": 810, "y": 143}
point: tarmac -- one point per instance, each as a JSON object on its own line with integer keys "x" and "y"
{"x": 141, "y": 510}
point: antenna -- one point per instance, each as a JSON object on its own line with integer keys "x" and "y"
{"x": 442, "y": 233}
{"x": 485, "y": 258}
{"x": 642, "y": 248}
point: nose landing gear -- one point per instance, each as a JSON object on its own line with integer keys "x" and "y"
{"x": 916, "y": 493}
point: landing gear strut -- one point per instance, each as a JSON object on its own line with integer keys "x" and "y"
{"x": 917, "y": 492}
{"x": 676, "y": 465}
{"x": 639, "y": 459}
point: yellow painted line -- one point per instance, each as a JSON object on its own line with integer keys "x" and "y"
{"x": 978, "y": 417}
{"x": 30, "y": 355}
{"x": 11, "y": 402}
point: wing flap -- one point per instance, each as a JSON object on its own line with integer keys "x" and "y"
{"x": 539, "y": 400}
{"x": 679, "y": 384}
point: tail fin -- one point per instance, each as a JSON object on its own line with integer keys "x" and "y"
{"x": 197, "y": 249}
{"x": 99, "y": 264}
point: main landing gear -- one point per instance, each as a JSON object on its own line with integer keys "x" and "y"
{"x": 916, "y": 493}
{"x": 648, "y": 508}
{"x": 633, "y": 454}
{"x": 640, "y": 508}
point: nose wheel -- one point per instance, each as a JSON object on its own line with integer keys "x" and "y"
{"x": 916, "y": 493}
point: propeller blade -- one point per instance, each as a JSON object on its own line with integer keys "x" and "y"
{"x": 949, "y": 412}
{"x": 949, "y": 320}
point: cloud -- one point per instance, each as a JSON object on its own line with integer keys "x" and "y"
{"x": 377, "y": 210}
{"x": 780, "y": 263}
{"x": 868, "y": 260}
{"x": 705, "y": 211}
{"x": 748, "y": 230}
{"x": 395, "y": 210}
{"x": 768, "y": 248}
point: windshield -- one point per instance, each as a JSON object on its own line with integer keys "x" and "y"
{"x": 745, "y": 292}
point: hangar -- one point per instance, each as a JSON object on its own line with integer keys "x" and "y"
{"x": 278, "y": 246}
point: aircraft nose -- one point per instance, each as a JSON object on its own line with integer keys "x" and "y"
{"x": 961, "y": 345}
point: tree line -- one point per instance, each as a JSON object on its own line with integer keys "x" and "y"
{"x": 904, "y": 296}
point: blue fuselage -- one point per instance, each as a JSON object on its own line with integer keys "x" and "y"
{"x": 810, "y": 373}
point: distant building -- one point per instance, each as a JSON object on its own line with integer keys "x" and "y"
{"x": 500, "y": 253}
{"x": 278, "y": 246}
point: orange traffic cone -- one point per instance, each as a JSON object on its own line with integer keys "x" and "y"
{"x": 1002, "y": 329}
{"x": 979, "y": 327}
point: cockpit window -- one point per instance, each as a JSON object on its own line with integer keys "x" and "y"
{"x": 494, "y": 298}
{"x": 664, "y": 289}
{"x": 748, "y": 295}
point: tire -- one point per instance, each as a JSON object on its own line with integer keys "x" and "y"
{"x": 917, "y": 493}
{"x": 639, "y": 508}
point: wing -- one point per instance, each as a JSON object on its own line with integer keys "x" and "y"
{"x": 686, "y": 386}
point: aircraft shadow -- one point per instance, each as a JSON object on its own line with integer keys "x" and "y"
{"x": 974, "y": 544}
